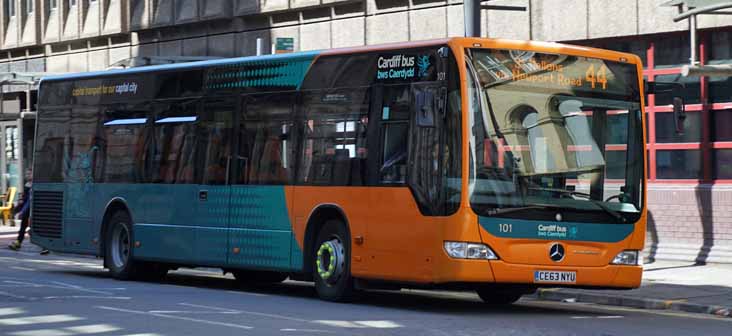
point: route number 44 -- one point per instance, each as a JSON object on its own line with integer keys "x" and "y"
{"x": 595, "y": 78}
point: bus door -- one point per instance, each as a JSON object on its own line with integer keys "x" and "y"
{"x": 260, "y": 233}
{"x": 405, "y": 185}
{"x": 214, "y": 140}
{"x": 80, "y": 159}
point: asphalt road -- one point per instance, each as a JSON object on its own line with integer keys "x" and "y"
{"x": 58, "y": 295}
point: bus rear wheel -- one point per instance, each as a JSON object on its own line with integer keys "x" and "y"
{"x": 499, "y": 296}
{"x": 118, "y": 244}
{"x": 118, "y": 254}
{"x": 331, "y": 258}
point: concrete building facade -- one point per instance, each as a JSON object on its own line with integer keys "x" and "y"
{"x": 690, "y": 186}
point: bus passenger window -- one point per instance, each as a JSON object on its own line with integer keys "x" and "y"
{"x": 335, "y": 149}
{"x": 265, "y": 141}
{"x": 174, "y": 133}
{"x": 125, "y": 130}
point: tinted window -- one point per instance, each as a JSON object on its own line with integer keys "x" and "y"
{"x": 125, "y": 143}
{"x": 174, "y": 143}
{"x": 678, "y": 164}
{"x": 666, "y": 128}
{"x": 335, "y": 126}
{"x": 53, "y": 127}
{"x": 179, "y": 83}
{"x": 84, "y": 145}
{"x": 213, "y": 139}
{"x": 266, "y": 142}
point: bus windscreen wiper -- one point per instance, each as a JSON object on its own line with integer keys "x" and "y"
{"x": 501, "y": 211}
{"x": 599, "y": 204}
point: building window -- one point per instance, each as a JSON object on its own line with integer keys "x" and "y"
{"x": 723, "y": 164}
{"x": 72, "y": 3}
{"x": 722, "y": 120}
{"x": 29, "y": 5}
{"x": 53, "y": 4}
{"x": 678, "y": 164}
{"x": 10, "y": 7}
{"x": 671, "y": 51}
{"x": 666, "y": 128}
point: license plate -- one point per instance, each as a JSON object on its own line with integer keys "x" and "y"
{"x": 555, "y": 277}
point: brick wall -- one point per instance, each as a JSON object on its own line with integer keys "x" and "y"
{"x": 690, "y": 223}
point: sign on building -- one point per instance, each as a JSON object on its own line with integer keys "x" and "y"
{"x": 284, "y": 45}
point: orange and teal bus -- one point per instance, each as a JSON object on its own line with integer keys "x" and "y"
{"x": 493, "y": 165}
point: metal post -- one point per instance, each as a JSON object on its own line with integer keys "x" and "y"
{"x": 260, "y": 46}
{"x": 692, "y": 39}
{"x": 471, "y": 10}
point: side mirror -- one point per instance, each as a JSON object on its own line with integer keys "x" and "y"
{"x": 679, "y": 115}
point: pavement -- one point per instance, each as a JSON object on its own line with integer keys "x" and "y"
{"x": 667, "y": 285}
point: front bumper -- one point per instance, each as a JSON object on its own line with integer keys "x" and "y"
{"x": 498, "y": 271}
{"x": 615, "y": 276}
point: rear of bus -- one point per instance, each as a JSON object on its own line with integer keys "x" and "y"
{"x": 555, "y": 164}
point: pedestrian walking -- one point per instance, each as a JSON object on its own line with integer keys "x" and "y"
{"x": 23, "y": 213}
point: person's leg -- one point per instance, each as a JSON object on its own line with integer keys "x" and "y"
{"x": 23, "y": 227}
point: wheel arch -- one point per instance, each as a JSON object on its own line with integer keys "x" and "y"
{"x": 114, "y": 205}
{"x": 317, "y": 219}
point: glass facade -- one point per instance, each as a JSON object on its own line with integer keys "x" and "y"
{"x": 703, "y": 153}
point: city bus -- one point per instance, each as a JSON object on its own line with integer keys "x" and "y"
{"x": 491, "y": 165}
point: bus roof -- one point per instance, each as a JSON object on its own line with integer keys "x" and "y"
{"x": 182, "y": 66}
{"x": 465, "y": 41}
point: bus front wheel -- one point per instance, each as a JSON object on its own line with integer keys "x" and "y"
{"x": 331, "y": 260}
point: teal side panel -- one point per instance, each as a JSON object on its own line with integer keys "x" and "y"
{"x": 260, "y": 228}
{"x": 260, "y": 208}
{"x": 262, "y": 249}
{"x": 211, "y": 219}
{"x": 286, "y": 73}
{"x": 169, "y": 209}
{"x": 531, "y": 229}
{"x": 164, "y": 242}
{"x": 78, "y": 225}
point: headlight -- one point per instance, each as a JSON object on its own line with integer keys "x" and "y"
{"x": 627, "y": 257}
{"x": 464, "y": 250}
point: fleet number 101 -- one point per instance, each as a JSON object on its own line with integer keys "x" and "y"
{"x": 506, "y": 228}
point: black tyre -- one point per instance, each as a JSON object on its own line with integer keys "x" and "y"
{"x": 118, "y": 255}
{"x": 331, "y": 260}
{"x": 499, "y": 296}
{"x": 258, "y": 277}
{"x": 118, "y": 245}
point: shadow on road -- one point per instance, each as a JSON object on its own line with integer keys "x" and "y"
{"x": 441, "y": 302}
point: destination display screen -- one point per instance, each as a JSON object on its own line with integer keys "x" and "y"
{"x": 554, "y": 71}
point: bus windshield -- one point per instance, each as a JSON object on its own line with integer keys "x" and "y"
{"x": 555, "y": 136}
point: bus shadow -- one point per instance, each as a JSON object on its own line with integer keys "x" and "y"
{"x": 439, "y": 302}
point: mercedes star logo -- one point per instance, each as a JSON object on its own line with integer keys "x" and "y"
{"x": 556, "y": 252}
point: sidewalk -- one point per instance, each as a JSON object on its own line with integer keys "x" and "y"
{"x": 667, "y": 285}
{"x": 7, "y": 229}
